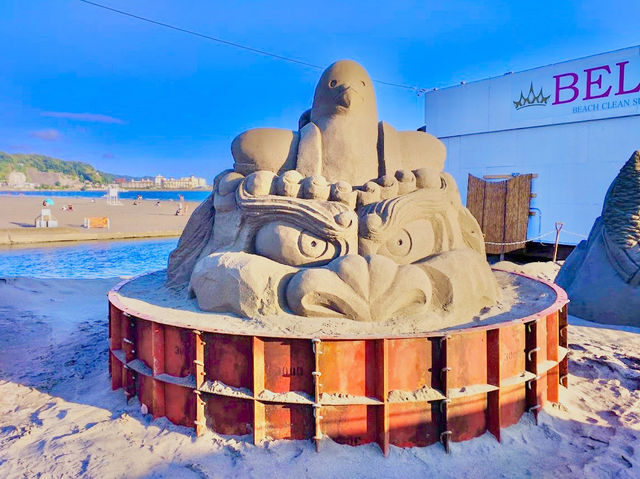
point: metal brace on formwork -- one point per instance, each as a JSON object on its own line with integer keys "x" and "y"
{"x": 442, "y": 403}
{"x": 318, "y": 434}
{"x": 444, "y": 370}
{"x": 133, "y": 345}
{"x": 535, "y": 321}
{"x": 199, "y": 334}
{"x": 534, "y": 350}
{"x": 201, "y": 364}
{"x": 534, "y": 410}
{"x": 134, "y": 378}
{"x": 531, "y": 380}
{"x": 199, "y": 397}
{"x": 445, "y": 442}
{"x": 314, "y": 342}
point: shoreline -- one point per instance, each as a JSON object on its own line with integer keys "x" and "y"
{"x": 129, "y": 220}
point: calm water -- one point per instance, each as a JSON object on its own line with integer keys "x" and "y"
{"x": 189, "y": 195}
{"x": 88, "y": 260}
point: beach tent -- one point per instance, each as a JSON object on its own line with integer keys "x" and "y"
{"x": 49, "y": 201}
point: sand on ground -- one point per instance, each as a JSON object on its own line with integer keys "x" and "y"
{"x": 60, "y": 418}
{"x": 149, "y": 296}
{"x": 18, "y": 213}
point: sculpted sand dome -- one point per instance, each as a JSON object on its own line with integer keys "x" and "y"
{"x": 602, "y": 275}
{"x": 344, "y": 218}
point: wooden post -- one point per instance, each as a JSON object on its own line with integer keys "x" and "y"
{"x": 555, "y": 246}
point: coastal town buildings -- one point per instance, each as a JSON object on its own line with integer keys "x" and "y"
{"x": 160, "y": 181}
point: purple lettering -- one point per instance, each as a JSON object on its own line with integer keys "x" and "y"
{"x": 572, "y": 87}
{"x": 621, "y": 90}
{"x": 597, "y": 81}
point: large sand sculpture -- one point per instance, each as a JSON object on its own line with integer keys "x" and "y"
{"x": 602, "y": 275}
{"x": 344, "y": 218}
{"x": 341, "y": 290}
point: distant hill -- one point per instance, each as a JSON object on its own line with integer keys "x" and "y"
{"x": 49, "y": 171}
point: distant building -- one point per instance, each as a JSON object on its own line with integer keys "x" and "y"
{"x": 160, "y": 181}
{"x": 134, "y": 184}
{"x": 16, "y": 179}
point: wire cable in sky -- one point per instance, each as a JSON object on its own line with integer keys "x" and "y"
{"x": 236, "y": 45}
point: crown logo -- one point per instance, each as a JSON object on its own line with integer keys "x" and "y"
{"x": 531, "y": 99}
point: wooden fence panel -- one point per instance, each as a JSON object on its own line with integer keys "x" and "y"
{"x": 517, "y": 217}
{"x": 502, "y": 210}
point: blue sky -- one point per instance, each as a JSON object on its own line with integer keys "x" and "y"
{"x": 81, "y": 83}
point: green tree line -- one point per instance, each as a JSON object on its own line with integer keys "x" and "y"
{"x": 73, "y": 169}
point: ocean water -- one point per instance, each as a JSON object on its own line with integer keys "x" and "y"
{"x": 99, "y": 259}
{"x": 164, "y": 195}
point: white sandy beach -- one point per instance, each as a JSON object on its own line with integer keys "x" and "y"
{"x": 59, "y": 417}
{"x": 145, "y": 219}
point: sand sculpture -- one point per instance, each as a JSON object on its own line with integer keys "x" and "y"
{"x": 602, "y": 275}
{"x": 344, "y": 218}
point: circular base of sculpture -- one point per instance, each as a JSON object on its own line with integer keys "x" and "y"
{"x": 412, "y": 390}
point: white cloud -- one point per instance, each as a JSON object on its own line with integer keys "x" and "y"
{"x": 90, "y": 117}
{"x": 47, "y": 135}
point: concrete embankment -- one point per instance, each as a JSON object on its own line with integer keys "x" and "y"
{"x": 14, "y": 237}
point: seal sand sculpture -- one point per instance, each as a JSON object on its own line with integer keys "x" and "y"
{"x": 602, "y": 275}
{"x": 339, "y": 137}
{"x": 344, "y": 218}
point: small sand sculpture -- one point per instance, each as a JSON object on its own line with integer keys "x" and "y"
{"x": 602, "y": 275}
{"x": 344, "y": 218}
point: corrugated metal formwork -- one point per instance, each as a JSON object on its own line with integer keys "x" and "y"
{"x": 407, "y": 391}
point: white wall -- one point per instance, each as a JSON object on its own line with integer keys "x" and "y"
{"x": 576, "y": 147}
{"x": 575, "y": 164}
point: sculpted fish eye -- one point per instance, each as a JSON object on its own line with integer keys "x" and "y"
{"x": 400, "y": 244}
{"x": 333, "y": 83}
{"x": 311, "y": 246}
{"x": 363, "y": 83}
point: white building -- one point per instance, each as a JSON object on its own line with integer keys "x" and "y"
{"x": 16, "y": 179}
{"x": 573, "y": 123}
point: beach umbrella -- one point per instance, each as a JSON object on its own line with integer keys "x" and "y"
{"x": 49, "y": 201}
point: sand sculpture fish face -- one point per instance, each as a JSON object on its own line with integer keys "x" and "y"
{"x": 289, "y": 233}
{"x": 288, "y": 244}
